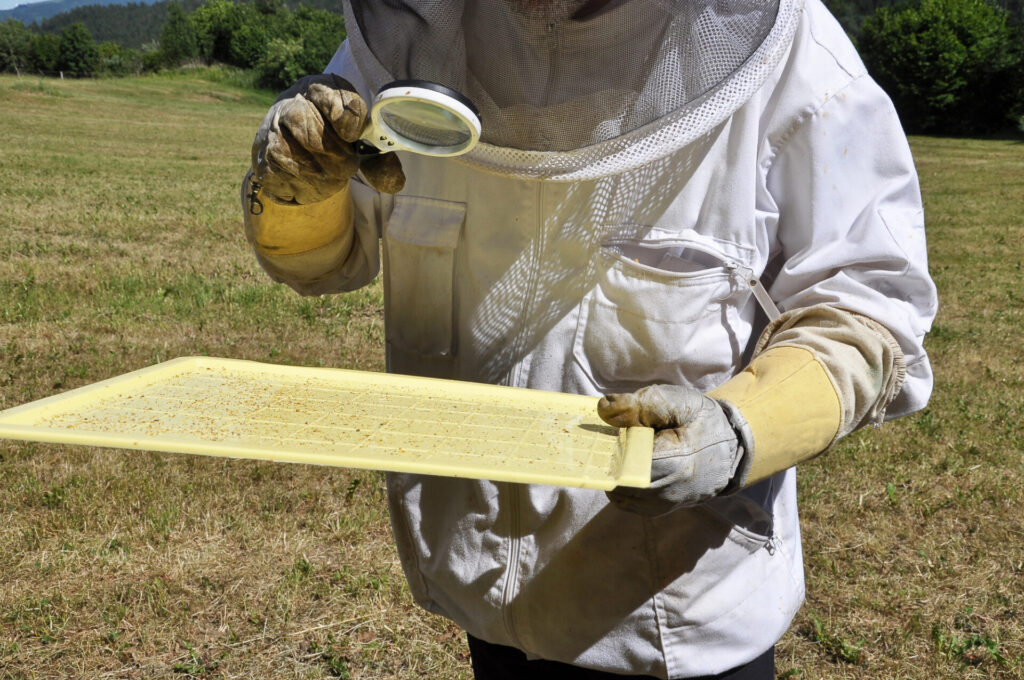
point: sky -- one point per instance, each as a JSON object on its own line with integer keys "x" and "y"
{"x": 11, "y": 4}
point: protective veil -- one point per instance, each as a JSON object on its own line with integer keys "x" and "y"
{"x": 573, "y": 100}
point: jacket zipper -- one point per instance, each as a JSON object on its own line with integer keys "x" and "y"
{"x": 745, "y": 276}
{"x": 510, "y": 590}
{"x": 511, "y": 584}
{"x": 769, "y": 545}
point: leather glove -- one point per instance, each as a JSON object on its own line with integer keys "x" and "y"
{"x": 697, "y": 451}
{"x": 304, "y": 151}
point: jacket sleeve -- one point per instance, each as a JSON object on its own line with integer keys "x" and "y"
{"x": 326, "y": 247}
{"x": 850, "y": 237}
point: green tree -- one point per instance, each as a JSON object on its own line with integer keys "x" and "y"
{"x": 321, "y": 33}
{"x": 116, "y": 60}
{"x": 280, "y": 65}
{"x": 951, "y": 66}
{"x": 250, "y": 43}
{"x": 302, "y": 43}
{"x": 131, "y": 25}
{"x": 260, "y": 23}
{"x": 178, "y": 38}
{"x": 215, "y": 24}
{"x": 79, "y": 56}
{"x": 15, "y": 46}
{"x": 46, "y": 53}
{"x": 152, "y": 57}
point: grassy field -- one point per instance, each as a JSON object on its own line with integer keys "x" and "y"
{"x": 121, "y": 247}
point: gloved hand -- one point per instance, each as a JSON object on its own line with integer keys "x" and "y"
{"x": 304, "y": 150}
{"x": 697, "y": 451}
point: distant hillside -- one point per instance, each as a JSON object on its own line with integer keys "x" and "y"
{"x": 131, "y": 25}
{"x": 134, "y": 24}
{"x": 38, "y": 11}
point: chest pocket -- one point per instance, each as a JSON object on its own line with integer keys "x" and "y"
{"x": 420, "y": 241}
{"x": 661, "y": 313}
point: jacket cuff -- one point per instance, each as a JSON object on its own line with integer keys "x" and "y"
{"x": 304, "y": 246}
{"x": 276, "y": 230}
{"x": 862, "y": 358}
{"x": 784, "y": 408}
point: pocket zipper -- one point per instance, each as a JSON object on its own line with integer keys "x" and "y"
{"x": 746, "y": 276}
{"x": 739, "y": 272}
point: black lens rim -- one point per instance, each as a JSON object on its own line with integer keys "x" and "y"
{"x": 436, "y": 87}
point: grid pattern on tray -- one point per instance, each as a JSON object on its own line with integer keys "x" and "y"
{"x": 350, "y": 419}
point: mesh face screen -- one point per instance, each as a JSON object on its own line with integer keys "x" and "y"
{"x": 543, "y": 82}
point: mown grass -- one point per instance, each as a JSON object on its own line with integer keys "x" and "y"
{"x": 121, "y": 247}
{"x": 914, "y": 533}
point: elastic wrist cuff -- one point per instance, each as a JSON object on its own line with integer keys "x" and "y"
{"x": 294, "y": 229}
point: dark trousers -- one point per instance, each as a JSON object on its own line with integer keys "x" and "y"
{"x": 495, "y": 662}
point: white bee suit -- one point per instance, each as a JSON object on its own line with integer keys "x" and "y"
{"x": 513, "y": 266}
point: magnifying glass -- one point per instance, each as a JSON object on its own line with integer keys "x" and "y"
{"x": 420, "y": 116}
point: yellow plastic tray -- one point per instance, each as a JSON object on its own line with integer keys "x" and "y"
{"x": 323, "y": 416}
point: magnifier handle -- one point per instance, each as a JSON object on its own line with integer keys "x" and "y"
{"x": 366, "y": 150}
{"x": 368, "y": 144}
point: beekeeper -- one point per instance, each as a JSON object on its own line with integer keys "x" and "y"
{"x": 705, "y": 210}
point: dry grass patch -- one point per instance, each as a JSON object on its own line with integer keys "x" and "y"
{"x": 122, "y": 248}
{"x": 913, "y": 532}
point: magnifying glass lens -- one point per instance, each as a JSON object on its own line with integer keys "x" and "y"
{"x": 425, "y": 123}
